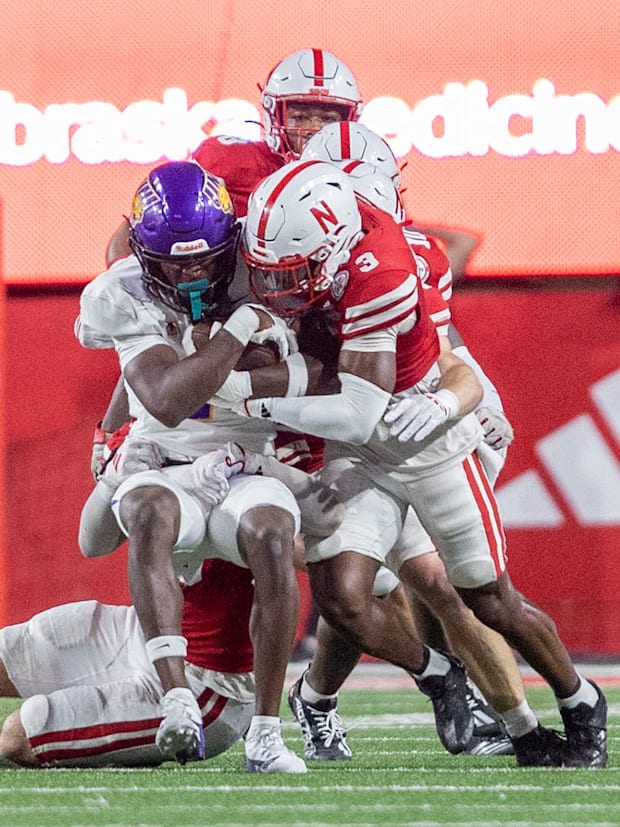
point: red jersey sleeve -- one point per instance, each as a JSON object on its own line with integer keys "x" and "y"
{"x": 379, "y": 288}
{"x": 433, "y": 265}
{"x": 242, "y": 164}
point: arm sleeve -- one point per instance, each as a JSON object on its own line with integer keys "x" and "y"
{"x": 348, "y": 416}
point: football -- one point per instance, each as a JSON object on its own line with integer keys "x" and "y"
{"x": 258, "y": 356}
{"x": 254, "y": 356}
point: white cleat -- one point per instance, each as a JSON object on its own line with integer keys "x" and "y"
{"x": 180, "y": 735}
{"x": 265, "y": 751}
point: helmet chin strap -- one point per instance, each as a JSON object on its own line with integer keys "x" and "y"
{"x": 195, "y": 291}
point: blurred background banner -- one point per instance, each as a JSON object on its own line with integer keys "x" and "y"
{"x": 507, "y": 115}
{"x": 506, "y": 120}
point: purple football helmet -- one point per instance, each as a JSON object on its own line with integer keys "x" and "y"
{"x": 184, "y": 233}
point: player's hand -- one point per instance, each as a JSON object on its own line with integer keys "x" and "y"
{"x": 209, "y": 476}
{"x": 99, "y": 454}
{"x": 278, "y": 331}
{"x": 497, "y": 429}
{"x": 417, "y": 416}
{"x": 136, "y": 455}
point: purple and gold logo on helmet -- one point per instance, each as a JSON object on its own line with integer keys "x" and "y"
{"x": 137, "y": 208}
{"x": 224, "y": 199}
{"x": 218, "y": 195}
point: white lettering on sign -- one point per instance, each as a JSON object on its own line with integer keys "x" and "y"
{"x": 459, "y": 122}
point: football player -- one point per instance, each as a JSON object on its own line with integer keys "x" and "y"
{"x": 398, "y": 436}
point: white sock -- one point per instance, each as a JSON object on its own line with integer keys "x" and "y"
{"x": 520, "y": 720}
{"x": 311, "y": 696}
{"x": 586, "y": 694}
{"x": 260, "y": 722}
{"x": 437, "y": 664}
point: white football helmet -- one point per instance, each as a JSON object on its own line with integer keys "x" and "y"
{"x": 301, "y": 224}
{"x": 308, "y": 76}
{"x": 371, "y": 185}
{"x": 352, "y": 141}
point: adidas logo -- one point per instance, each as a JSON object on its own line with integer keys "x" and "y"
{"x": 582, "y": 465}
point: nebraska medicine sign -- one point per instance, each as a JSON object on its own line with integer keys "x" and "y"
{"x": 506, "y": 123}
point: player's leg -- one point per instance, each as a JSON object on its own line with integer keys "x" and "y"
{"x": 494, "y": 680}
{"x": 157, "y": 514}
{"x": 260, "y": 517}
{"x": 342, "y": 572}
{"x": 15, "y": 749}
{"x": 458, "y": 509}
{"x": 534, "y": 635}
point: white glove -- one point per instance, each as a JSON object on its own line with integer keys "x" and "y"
{"x": 417, "y": 416}
{"x": 133, "y": 456}
{"x": 279, "y": 333}
{"x": 497, "y": 429}
{"x": 248, "y": 462}
{"x": 99, "y": 454}
{"x": 209, "y": 475}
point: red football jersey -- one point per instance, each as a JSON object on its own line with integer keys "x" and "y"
{"x": 242, "y": 164}
{"x": 433, "y": 265}
{"x": 378, "y": 288}
{"x": 216, "y": 618}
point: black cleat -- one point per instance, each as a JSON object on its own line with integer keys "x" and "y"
{"x": 540, "y": 748}
{"x": 586, "y": 733}
{"x": 490, "y": 736}
{"x": 487, "y": 723}
{"x": 453, "y": 717}
{"x": 321, "y": 727}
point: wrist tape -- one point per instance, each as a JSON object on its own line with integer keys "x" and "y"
{"x": 450, "y": 400}
{"x": 166, "y": 646}
{"x": 242, "y": 324}
{"x": 297, "y": 375}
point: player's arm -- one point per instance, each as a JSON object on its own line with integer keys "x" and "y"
{"x": 457, "y": 394}
{"x": 367, "y": 371}
{"x": 498, "y": 432}
{"x": 458, "y": 246}
{"x": 458, "y": 378}
{"x": 273, "y": 367}
{"x": 118, "y": 245}
{"x": 115, "y": 416}
{"x": 172, "y": 389}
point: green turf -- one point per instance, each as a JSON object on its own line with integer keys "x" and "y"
{"x": 399, "y": 776}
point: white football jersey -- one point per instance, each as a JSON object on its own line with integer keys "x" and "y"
{"x": 116, "y": 311}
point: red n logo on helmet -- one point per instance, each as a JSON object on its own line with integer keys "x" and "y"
{"x": 324, "y": 216}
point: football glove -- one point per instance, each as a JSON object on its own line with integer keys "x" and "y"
{"x": 415, "y": 417}
{"x": 209, "y": 475}
{"x": 497, "y": 429}
{"x": 99, "y": 455}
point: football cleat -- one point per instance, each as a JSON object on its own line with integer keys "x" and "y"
{"x": 181, "y": 735}
{"x": 487, "y": 723}
{"x": 498, "y": 745}
{"x": 453, "y": 717}
{"x": 265, "y": 751}
{"x": 586, "y": 733}
{"x": 540, "y": 748}
{"x": 321, "y": 727}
